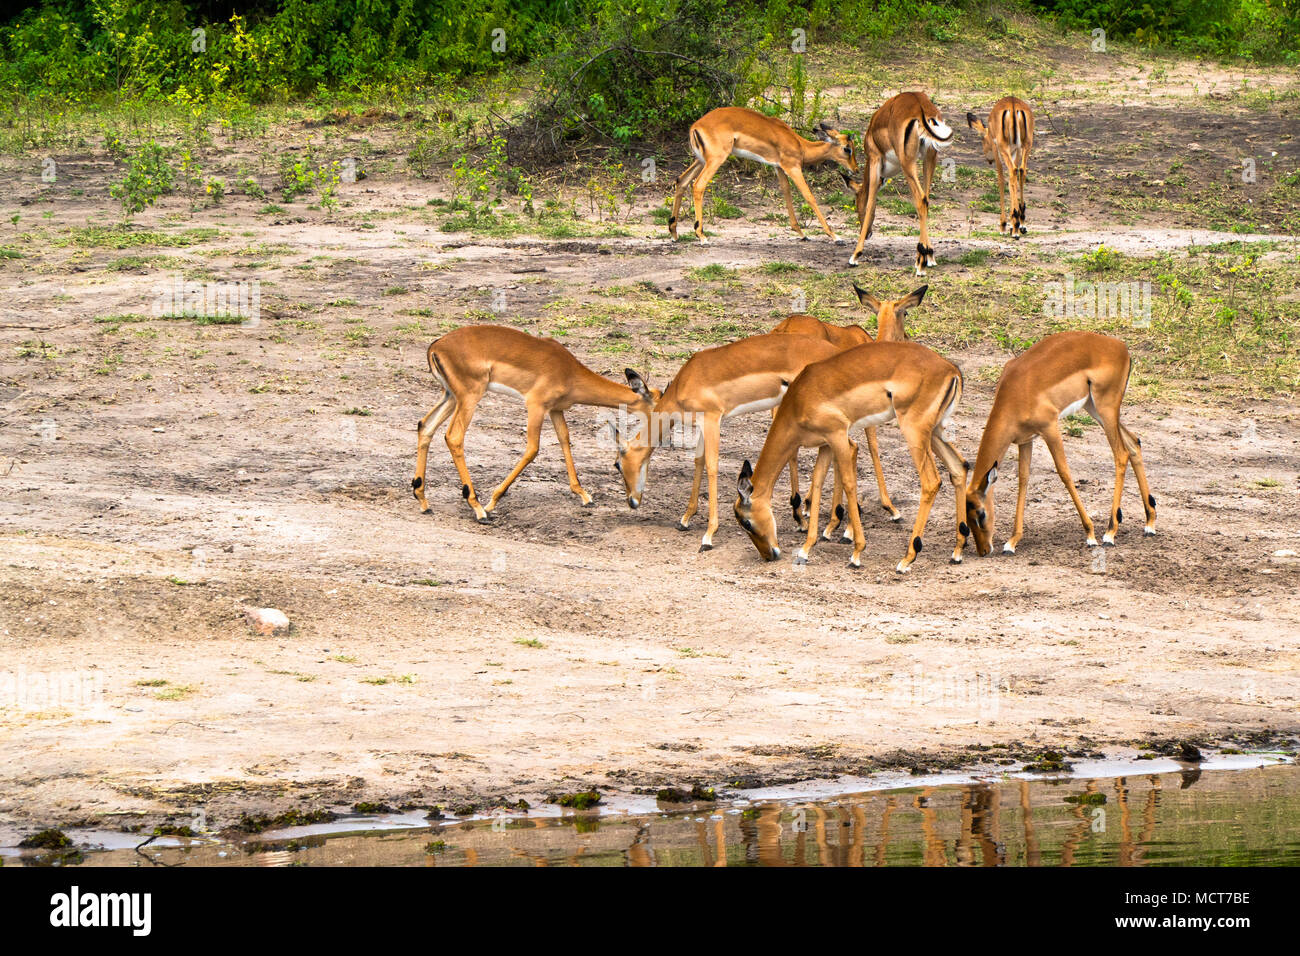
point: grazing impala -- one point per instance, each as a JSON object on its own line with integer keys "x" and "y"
{"x": 1008, "y": 138}
{"x": 491, "y": 358}
{"x": 908, "y": 129}
{"x": 749, "y": 375}
{"x": 889, "y": 328}
{"x": 1060, "y": 375}
{"x": 868, "y": 385}
{"x": 735, "y": 131}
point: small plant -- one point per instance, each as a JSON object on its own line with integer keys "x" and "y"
{"x": 148, "y": 176}
{"x": 215, "y": 189}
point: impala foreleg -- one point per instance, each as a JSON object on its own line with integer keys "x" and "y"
{"x": 427, "y": 428}
{"x": 871, "y": 180}
{"x": 930, "y": 484}
{"x": 814, "y": 502}
{"x": 845, "y": 453}
{"x": 536, "y": 414}
{"x": 562, "y": 433}
{"x": 796, "y": 174}
{"x": 693, "y": 505}
{"x": 1017, "y": 204}
{"x": 959, "y": 473}
{"x": 711, "y": 429}
{"x": 784, "y": 180}
{"x": 873, "y": 446}
{"x": 1052, "y": 438}
{"x": 1026, "y": 452}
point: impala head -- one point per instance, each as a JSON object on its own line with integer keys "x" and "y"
{"x": 990, "y": 148}
{"x": 637, "y": 440}
{"x": 756, "y": 519}
{"x": 979, "y": 510}
{"x": 841, "y": 146}
{"x": 889, "y": 315}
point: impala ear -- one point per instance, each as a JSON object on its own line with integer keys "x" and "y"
{"x": 992, "y": 476}
{"x": 613, "y": 434}
{"x": 974, "y": 122}
{"x": 638, "y": 385}
{"x": 743, "y": 484}
{"x": 867, "y": 299}
{"x": 913, "y": 299}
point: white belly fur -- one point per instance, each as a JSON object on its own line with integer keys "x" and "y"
{"x": 746, "y": 154}
{"x": 504, "y": 390}
{"x": 871, "y": 421}
{"x": 762, "y": 405}
{"x": 1074, "y": 406}
{"x": 891, "y": 165}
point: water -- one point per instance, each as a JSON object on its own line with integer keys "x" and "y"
{"x": 1244, "y": 817}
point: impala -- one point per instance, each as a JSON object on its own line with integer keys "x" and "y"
{"x": 736, "y": 131}
{"x": 477, "y": 359}
{"x": 906, "y": 130}
{"x": 749, "y": 375}
{"x": 868, "y": 385}
{"x": 889, "y": 328}
{"x": 1056, "y": 377}
{"x": 1007, "y": 140}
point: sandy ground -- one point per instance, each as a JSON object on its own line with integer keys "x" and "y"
{"x": 152, "y": 487}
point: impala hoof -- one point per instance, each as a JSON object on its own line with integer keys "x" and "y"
{"x": 1008, "y": 548}
{"x": 1148, "y": 532}
{"x": 705, "y": 547}
{"x": 683, "y": 525}
{"x": 855, "y": 564}
{"x": 955, "y": 559}
{"x": 837, "y": 240}
{"x": 903, "y": 567}
{"x": 800, "y": 560}
{"x": 853, "y": 263}
{"x": 1091, "y": 542}
{"x": 896, "y": 516}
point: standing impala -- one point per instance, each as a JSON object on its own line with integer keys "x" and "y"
{"x": 907, "y": 129}
{"x": 868, "y": 385}
{"x": 749, "y": 375}
{"x": 491, "y": 358}
{"x": 889, "y": 328}
{"x": 736, "y": 131}
{"x": 1007, "y": 140}
{"x": 1060, "y": 375}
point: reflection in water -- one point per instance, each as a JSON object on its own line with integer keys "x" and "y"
{"x": 1246, "y": 817}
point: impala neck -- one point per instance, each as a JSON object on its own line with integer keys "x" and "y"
{"x": 815, "y": 151}
{"x": 778, "y": 448}
{"x": 588, "y": 388}
{"x": 993, "y": 446}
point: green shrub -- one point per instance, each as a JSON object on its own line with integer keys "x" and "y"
{"x": 148, "y": 176}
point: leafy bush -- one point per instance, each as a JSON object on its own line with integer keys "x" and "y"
{"x": 148, "y": 176}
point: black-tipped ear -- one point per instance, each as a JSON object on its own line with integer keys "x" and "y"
{"x": 971, "y": 121}
{"x": 746, "y": 470}
{"x": 867, "y": 299}
{"x": 991, "y": 477}
{"x": 637, "y": 384}
{"x": 913, "y": 299}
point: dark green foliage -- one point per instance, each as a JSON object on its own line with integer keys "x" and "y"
{"x": 1261, "y": 29}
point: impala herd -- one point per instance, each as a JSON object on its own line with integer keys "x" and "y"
{"x": 822, "y": 382}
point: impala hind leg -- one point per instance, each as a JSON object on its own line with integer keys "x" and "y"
{"x": 838, "y": 509}
{"x": 684, "y": 180}
{"x": 1017, "y": 204}
{"x": 1134, "y": 446}
{"x": 1127, "y": 450}
{"x": 1002, "y": 196}
{"x": 1052, "y": 438}
{"x": 930, "y": 484}
{"x": 460, "y": 419}
{"x": 924, "y": 251}
{"x": 427, "y": 428}
{"x": 814, "y": 502}
{"x": 1026, "y": 451}
{"x": 562, "y": 433}
{"x": 536, "y": 414}
{"x": 709, "y": 169}
{"x": 927, "y": 176}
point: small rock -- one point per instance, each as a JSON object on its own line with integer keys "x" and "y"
{"x": 267, "y": 620}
